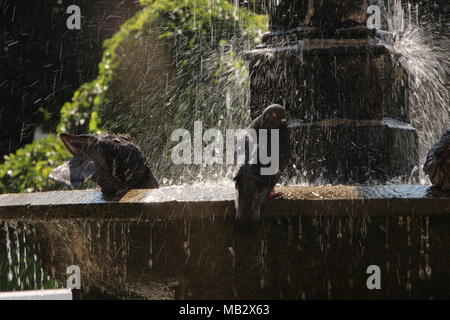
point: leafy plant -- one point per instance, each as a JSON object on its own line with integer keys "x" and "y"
{"x": 27, "y": 170}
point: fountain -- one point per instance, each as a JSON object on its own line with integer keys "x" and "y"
{"x": 350, "y": 111}
{"x": 347, "y": 97}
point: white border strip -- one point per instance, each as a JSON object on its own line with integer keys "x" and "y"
{"x": 53, "y": 294}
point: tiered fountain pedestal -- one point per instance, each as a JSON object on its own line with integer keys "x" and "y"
{"x": 346, "y": 96}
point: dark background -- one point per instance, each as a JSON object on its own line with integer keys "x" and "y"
{"x": 42, "y": 62}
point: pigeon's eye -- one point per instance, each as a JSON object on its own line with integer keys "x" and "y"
{"x": 274, "y": 115}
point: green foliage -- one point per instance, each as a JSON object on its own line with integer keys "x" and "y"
{"x": 27, "y": 170}
{"x": 126, "y": 95}
{"x": 186, "y": 25}
{"x": 81, "y": 114}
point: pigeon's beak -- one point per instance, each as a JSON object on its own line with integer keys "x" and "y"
{"x": 283, "y": 120}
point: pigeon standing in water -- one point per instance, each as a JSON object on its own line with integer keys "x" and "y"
{"x": 252, "y": 187}
{"x": 115, "y": 162}
{"x": 437, "y": 165}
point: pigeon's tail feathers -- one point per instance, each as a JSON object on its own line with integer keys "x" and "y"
{"x": 87, "y": 145}
{"x": 248, "y": 198}
{"x": 74, "y": 172}
{"x": 248, "y": 207}
{"x": 152, "y": 181}
{"x": 242, "y": 205}
{"x": 148, "y": 180}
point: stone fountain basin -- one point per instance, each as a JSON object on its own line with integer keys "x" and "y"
{"x": 182, "y": 243}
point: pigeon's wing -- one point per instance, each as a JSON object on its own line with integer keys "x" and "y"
{"x": 126, "y": 163}
{"x": 251, "y": 187}
{"x": 245, "y": 181}
{"x": 430, "y": 163}
{"x": 246, "y": 197}
{"x": 124, "y": 158}
{"x": 74, "y": 172}
{"x": 437, "y": 164}
{"x": 242, "y": 153}
{"x": 251, "y": 192}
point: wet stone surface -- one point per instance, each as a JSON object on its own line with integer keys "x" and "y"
{"x": 296, "y": 258}
{"x": 183, "y": 243}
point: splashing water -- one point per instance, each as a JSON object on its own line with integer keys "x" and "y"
{"x": 190, "y": 76}
{"x": 415, "y": 45}
{"x": 425, "y": 55}
{"x": 169, "y": 86}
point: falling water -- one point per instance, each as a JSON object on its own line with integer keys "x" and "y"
{"x": 312, "y": 257}
{"x": 20, "y": 269}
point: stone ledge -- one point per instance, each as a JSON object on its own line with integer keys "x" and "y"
{"x": 217, "y": 202}
{"x": 314, "y": 47}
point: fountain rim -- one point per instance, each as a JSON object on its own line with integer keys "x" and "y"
{"x": 178, "y": 203}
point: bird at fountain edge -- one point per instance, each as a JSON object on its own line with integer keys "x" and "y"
{"x": 437, "y": 164}
{"x": 253, "y": 187}
{"x": 114, "y": 161}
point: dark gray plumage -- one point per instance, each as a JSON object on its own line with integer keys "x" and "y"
{"x": 252, "y": 188}
{"x": 437, "y": 165}
{"x": 115, "y": 162}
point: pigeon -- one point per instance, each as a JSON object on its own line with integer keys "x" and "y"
{"x": 252, "y": 187}
{"x": 114, "y": 161}
{"x": 437, "y": 164}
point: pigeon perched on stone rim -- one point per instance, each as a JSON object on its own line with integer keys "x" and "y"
{"x": 252, "y": 188}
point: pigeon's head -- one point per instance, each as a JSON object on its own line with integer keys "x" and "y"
{"x": 274, "y": 117}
